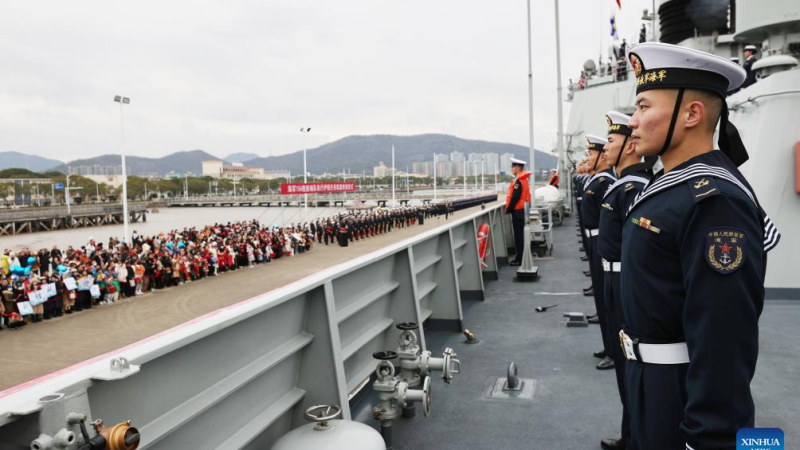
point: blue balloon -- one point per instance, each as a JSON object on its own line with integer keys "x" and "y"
{"x": 31, "y": 260}
{"x": 62, "y": 268}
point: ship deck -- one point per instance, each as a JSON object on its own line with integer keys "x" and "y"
{"x": 56, "y": 345}
{"x": 574, "y": 405}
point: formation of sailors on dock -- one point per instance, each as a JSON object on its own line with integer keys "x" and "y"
{"x": 677, "y": 258}
{"x": 38, "y": 286}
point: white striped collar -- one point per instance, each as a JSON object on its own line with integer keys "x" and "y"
{"x": 626, "y": 179}
{"x": 656, "y": 185}
{"x": 601, "y": 174}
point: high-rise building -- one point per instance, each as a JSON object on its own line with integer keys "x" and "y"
{"x": 492, "y": 163}
{"x": 505, "y": 163}
{"x": 456, "y": 157}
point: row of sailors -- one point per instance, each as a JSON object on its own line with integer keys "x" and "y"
{"x": 346, "y": 228}
{"x": 677, "y": 258}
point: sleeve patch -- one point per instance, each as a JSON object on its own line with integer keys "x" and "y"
{"x": 702, "y": 188}
{"x": 724, "y": 249}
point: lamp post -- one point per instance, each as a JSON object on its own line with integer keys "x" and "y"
{"x": 123, "y": 101}
{"x": 305, "y": 173}
{"x": 393, "y": 173}
{"x": 530, "y": 105}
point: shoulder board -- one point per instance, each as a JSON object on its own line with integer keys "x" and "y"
{"x": 702, "y": 187}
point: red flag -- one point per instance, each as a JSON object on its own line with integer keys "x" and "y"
{"x": 619, "y": 4}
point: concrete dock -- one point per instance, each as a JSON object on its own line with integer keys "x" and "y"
{"x": 43, "y": 348}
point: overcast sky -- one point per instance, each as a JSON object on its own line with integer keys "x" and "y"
{"x": 245, "y": 75}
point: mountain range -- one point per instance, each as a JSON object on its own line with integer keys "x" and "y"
{"x": 362, "y": 153}
{"x": 17, "y": 160}
{"x": 352, "y": 153}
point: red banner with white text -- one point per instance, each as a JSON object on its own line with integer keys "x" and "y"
{"x": 317, "y": 188}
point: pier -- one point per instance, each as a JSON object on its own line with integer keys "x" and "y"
{"x": 32, "y": 220}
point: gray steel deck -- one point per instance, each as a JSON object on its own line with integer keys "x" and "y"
{"x": 574, "y": 405}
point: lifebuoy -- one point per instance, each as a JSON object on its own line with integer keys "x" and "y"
{"x": 483, "y": 241}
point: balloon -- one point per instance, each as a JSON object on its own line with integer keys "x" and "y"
{"x": 31, "y": 260}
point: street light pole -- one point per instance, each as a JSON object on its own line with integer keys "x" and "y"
{"x": 562, "y": 156}
{"x": 66, "y": 194}
{"x": 434, "y": 176}
{"x": 305, "y": 173}
{"x": 123, "y": 101}
{"x": 393, "y": 173}
{"x": 530, "y": 106}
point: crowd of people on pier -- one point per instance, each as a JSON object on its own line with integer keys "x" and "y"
{"x": 48, "y": 283}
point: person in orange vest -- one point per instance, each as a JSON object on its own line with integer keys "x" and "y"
{"x": 519, "y": 193}
{"x": 554, "y": 178}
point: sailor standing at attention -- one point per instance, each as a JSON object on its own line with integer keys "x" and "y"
{"x": 590, "y": 213}
{"x": 749, "y": 60}
{"x": 633, "y": 175}
{"x": 694, "y": 256}
{"x": 519, "y": 193}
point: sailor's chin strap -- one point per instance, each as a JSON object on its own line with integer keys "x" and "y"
{"x": 729, "y": 141}
{"x": 619, "y": 157}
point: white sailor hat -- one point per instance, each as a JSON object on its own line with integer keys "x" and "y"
{"x": 666, "y": 66}
{"x": 751, "y": 48}
{"x": 735, "y": 59}
{"x": 595, "y": 142}
{"x": 618, "y": 123}
{"x": 517, "y": 162}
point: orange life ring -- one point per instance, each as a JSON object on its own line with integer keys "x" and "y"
{"x": 483, "y": 241}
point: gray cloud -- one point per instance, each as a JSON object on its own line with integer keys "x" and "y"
{"x": 246, "y": 75}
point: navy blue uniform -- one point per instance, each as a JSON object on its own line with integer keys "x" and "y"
{"x": 590, "y": 214}
{"x": 618, "y": 199}
{"x": 693, "y": 263}
{"x": 580, "y": 186}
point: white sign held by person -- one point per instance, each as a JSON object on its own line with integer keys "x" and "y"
{"x": 36, "y": 298}
{"x": 25, "y": 308}
{"x": 70, "y": 284}
{"x": 50, "y": 290}
{"x": 85, "y": 284}
{"x": 95, "y": 291}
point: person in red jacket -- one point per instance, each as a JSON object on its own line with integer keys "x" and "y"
{"x": 553, "y": 178}
{"x": 519, "y": 193}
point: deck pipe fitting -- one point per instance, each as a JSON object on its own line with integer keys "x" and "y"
{"x": 472, "y": 338}
{"x": 394, "y": 395}
{"x": 121, "y": 436}
{"x": 62, "y": 440}
{"x": 416, "y": 364}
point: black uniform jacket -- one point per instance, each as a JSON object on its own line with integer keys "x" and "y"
{"x": 694, "y": 254}
{"x": 614, "y": 207}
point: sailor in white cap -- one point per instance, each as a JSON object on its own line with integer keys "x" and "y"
{"x": 694, "y": 247}
{"x": 519, "y": 193}
{"x": 749, "y": 58}
{"x": 553, "y": 178}
{"x": 590, "y": 213}
{"x": 632, "y": 176}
